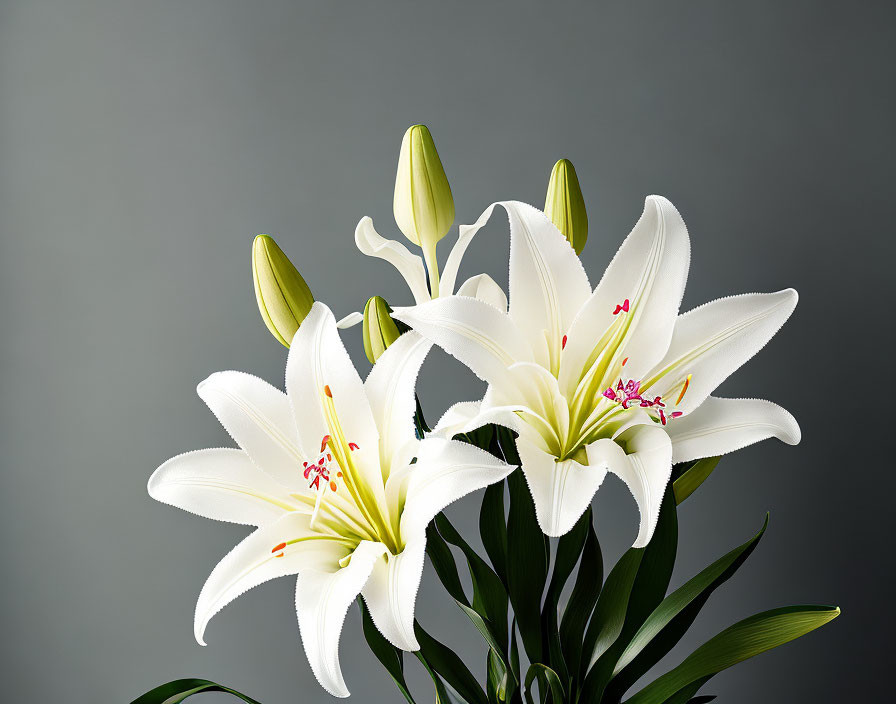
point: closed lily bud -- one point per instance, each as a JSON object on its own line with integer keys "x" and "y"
{"x": 422, "y": 204}
{"x": 565, "y": 206}
{"x": 284, "y": 298}
{"x": 380, "y": 330}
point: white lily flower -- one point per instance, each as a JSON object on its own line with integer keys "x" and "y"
{"x": 326, "y": 472}
{"x": 611, "y": 379}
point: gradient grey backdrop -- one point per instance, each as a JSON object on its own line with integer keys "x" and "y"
{"x": 142, "y": 145}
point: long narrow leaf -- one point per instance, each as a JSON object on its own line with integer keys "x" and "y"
{"x": 735, "y": 644}
{"x": 493, "y": 528}
{"x": 527, "y": 555}
{"x": 390, "y": 656}
{"x": 545, "y": 674}
{"x": 582, "y": 600}
{"x": 449, "y": 667}
{"x": 683, "y": 604}
{"x": 692, "y": 477}
{"x": 489, "y": 595}
{"x": 178, "y": 690}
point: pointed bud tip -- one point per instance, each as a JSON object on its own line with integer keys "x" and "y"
{"x": 422, "y": 202}
{"x": 379, "y": 330}
{"x": 283, "y": 297}
{"x": 565, "y": 206}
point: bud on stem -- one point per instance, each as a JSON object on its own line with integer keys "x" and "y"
{"x": 565, "y": 206}
{"x": 284, "y": 298}
{"x": 423, "y": 204}
{"x": 380, "y": 330}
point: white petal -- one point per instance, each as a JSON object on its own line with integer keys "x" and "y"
{"x": 465, "y": 234}
{"x": 480, "y": 336}
{"x": 644, "y": 463}
{"x": 391, "y": 592}
{"x": 456, "y": 418}
{"x": 390, "y": 390}
{"x": 548, "y": 285}
{"x": 445, "y": 471}
{"x": 253, "y": 562}
{"x": 259, "y": 418}
{"x": 318, "y": 360}
{"x": 410, "y": 266}
{"x": 561, "y": 490}
{"x": 322, "y": 601}
{"x": 350, "y": 320}
{"x": 486, "y": 289}
{"x": 650, "y": 269}
{"x": 223, "y": 484}
{"x": 723, "y": 425}
{"x": 714, "y": 340}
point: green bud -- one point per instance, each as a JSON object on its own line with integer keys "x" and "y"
{"x": 565, "y": 206}
{"x": 380, "y": 330}
{"x": 422, "y": 204}
{"x": 284, "y": 298}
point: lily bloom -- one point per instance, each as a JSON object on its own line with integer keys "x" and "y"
{"x": 340, "y": 488}
{"x": 609, "y": 380}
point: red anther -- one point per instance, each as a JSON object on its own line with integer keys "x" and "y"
{"x": 352, "y": 446}
{"x": 278, "y": 548}
{"x": 624, "y": 361}
{"x": 662, "y": 416}
{"x": 323, "y": 443}
{"x": 676, "y": 414}
{"x": 330, "y": 393}
{"x": 563, "y": 344}
{"x": 321, "y": 462}
{"x": 621, "y": 308}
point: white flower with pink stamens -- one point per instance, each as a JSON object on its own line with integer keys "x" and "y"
{"x": 337, "y": 482}
{"x": 611, "y": 379}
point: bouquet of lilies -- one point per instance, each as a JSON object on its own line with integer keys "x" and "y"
{"x": 346, "y": 482}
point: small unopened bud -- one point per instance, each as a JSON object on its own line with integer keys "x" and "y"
{"x": 565, "y": 206}
{"x": 422, "y": 204}
{"x": 380, "y": 330}
{"x": 284, "y": 298}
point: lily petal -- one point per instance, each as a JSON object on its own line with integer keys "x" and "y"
{"x": 548, "y": 284}
{"x": 253, "y": 561}
{"x": 222, "y": 484}
{"x": 561, "y": 490}
{"x": 486, "y": 289}
{"x": 390, "y": 390}
{"x": 410, "y": 266}
{"x": 260, "y": 420}
{"x": 723, "y": 425}
{"x": 391, "y": 592}
{"x": 456, "y": 418}
{"x": 650, "y": 270}
{"x": 445, "y": 471}
{"x": 317, "y": 365}
{"x": 644, "y": 463}
{"x": 465, "y": 234}
{"x": 481, "y": 337}
{"x": 322, "y": 601}
{"x": 714, "y": 340}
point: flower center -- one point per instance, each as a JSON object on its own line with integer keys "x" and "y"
{"x": 628, "y": 394}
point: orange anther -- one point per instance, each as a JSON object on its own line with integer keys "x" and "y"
{"x": 684, "y": 388}
{"x": 278, "y": 548}
{"x": 327, "y": 391}
{"x": 333, "y": 486}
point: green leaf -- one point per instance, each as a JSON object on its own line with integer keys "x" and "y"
{"x": 489, "y": 595}
{"x": 450, "y": 667}
{"x": 493, "y": 528}
{"x": 675, "y": 614}
{"x": 692, "y": 476}
{"x": 527, "y": 555}
{"x": 178, "y": 690}
{"x": 390, "y": 656}
{"x": 645, "y": 580}
{"x": 582, "y": 600}
{"x": 544, "y": 673}
{"x": 442, "y": 696}
{"x": 443, "y": 563}
{"x": 569, "y": 548}
{"x": 735, "y": 644}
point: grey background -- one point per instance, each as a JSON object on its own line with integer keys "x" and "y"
{"x": 142, "y": 145}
